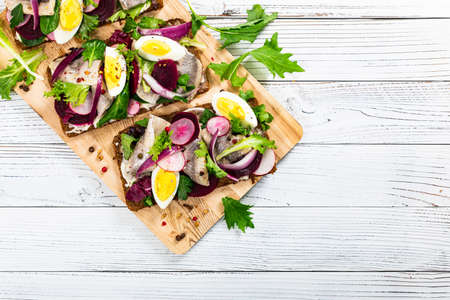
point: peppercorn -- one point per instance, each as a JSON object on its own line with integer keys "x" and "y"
{"x": 91, "y": 149}
{"x": 104, "y": 169}
{"x": 179, "y": 237}
{"x": 140, "y": 155}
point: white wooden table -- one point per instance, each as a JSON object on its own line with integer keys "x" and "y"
{"x": 362, "y": 202}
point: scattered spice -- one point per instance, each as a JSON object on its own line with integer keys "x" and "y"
{"x": 167, "y": 129}
{"x": 188, "y": 206}
{"x": 179, "y": 237}
{"x": 212, "y": 58}
{"x": 163, "y": 215}
{"x": 140, "y": 155}
{"x": 104, "y": 169}
{"x": 194, "y": 219}
{"x": 205, "y": 211}
{"x": 99, "y": 155}
{"x": 179, "y": 215}
{"x": 163, "y": 223}
{"x": 91, "y": 149}
{"x": 24, "y": 87}
{"x": 196, "y": 224}
{"x": 87, "y": 72}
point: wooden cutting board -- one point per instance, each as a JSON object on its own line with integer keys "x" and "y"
{"x": 178, "y": 218}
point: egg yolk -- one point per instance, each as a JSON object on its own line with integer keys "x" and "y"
{"x": 70, "y": 15}
{"x": 166, "y": 182}
{"x": 155, "y": 47}
{"x": 227, "y": 107}
{"x": 113, "y": 71}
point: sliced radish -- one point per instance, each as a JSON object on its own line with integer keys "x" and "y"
{"x": 133, "y": 107}
{"x": 84, "y": 108}
{"x": 149, "y": 162}
{"x": 218, "y": 123}
{"x": 51, "y": 36}
{"x": 241, "y": 164}
{"x": 267, "y": 163}
{"x": 173, "y": 163}
{"x": 183, "y": 131}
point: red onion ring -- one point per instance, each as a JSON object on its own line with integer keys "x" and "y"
{"x": 241, "y": 164}
{"x": 160, "y": 90}
{"x": 172, "y": 32}
{"x": 65, "y": 62}
{"x": 35, "y": 6}
{"x": 149, "y": 162}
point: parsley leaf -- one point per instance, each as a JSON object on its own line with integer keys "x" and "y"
{"x": 254, "y": 141}
{"x": 131, "y": 27}
{"x": 162, "y": 141}
{"x": 213, "y": 168}
{"x": 89, "y": 24}
{"x": 117, "y": 110}
{"x": 148, "y": 200}
{"x": 246, "y": 95}
{"x": 16, "y": 72}
{"x": 49, "y": 24}
{"x": 127, "y": 145}
{"x": 93, "y": 50}
{"x": 151, "y": 23}
{"x": 184, "y": 187}
{"x": 237, "y": 214}
{"x": 202, "y": 151}
{"x": 16, "y": 16}
{"x": 69, "y": 92}
{"x": 269, "y": 54}
{"x": 205, "y": 116}
{"x": 237, "y": 127}
{"x": 264, "y": 117}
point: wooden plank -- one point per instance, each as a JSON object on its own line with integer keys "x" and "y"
{"x": 248, "y": 285}
{"x": 285, "y": 131}
{"x": 354, "y": 175}
{"x": 286, "y": 239}
{"x": 331, "y": 112}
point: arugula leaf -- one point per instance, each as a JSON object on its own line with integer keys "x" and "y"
{"x": 151, "y": 23}
{"x": 162, "y": 141}
{"x": 257, "y": 12}
{"x": 93, "y": 50}
{"x": 237, "y": 214}
{"x": 246, "y": 95}
{"x": 205, "y": 116}
{"x": 184, "y": 187}
{"x": 264, "y": 117}
{"x": 118, "y": 110}
{"x": 69, "y": 92}
{"x": 254, "y": 141}
{"x": 237, "y": 127}
{"x": 196, "y": 20}
{"x": 131, "y": 27}
{"x": 16, "y": 16}
{"x": 118, "y": 15}
{"x": 89, "y": 24}
{"x": 188, "y": 42}
{"x": 213, "y": 168}
{"x": 15, "y": 71}
{"x": 127, "y": 145}
{"x": 202, "y": 151}
{"x": 269, "y": 54}
{"x": 142, "y": 123}
{"x": 49, "y": 24}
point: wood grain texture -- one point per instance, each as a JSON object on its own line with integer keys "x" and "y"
{"x": 284, "y": 239}
{"x": 248, "y": 285}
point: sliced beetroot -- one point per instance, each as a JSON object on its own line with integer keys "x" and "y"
{"x": 35, "y": 6}
{"x": 218, "y": 123}
{"x": 134, "y": 79}
{"x": 140, "y": 189}
{"x": 248, "y": 170}
{"x": 166, "y": 73}
{"x": 193, "y": 118}
{"x": 26, "y": 29}
{"x": 267, "y": 163}
{"x": 201, "y": 190}
{"x": 120, "y": 37}
{"x": 104, "y": 10}
{"x": 182, "y": 131}
{"x": 173, "y": 163}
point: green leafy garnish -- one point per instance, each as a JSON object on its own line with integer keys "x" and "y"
{"x": 16, "y": 16}
{"x": 246, "y": 95}
{"x": 131, "y": 28}
{"x": 127, "y": 147}
{"x": 69, "y": 92}
{"x": 132, "y": 12}
{"x": 142, "y": 123}
{"x": 205, "y": 116}
{"x": 118, "y": 15}
{"x": 118, "y": 110}
{"x": 184, "y": 187}
{"x": 213, "y": 168}
{"x": 32, "y": 43}
{"x": 162, "y": 142}
{"x": 188, "y": 42}
{"x": 90, "y": 2}
{"x": 254, "y": 141}
{"x": 93, "y": 50}
{"x": 89, "y": 24}
{"x": 148, "y": 200}
{"x": 237, "y": 214}
{"x": 183, "y": 81}
{"x": 196, "y": 20}
{"x": 151, "y": 23}
{"x": 270, "y": 55}
{"x": 49, "y": 24}
{"x": 264, "y": 117}
{"x": 202, "y": 151}
{"x": 237, "y": 127}
{"x": 16, "y": 72}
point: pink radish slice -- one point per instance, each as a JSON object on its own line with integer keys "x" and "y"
{"x": 173, "y": 163}
{"x": 133, "y": 107}
{"x": 267, "y": 163}
{"x": 51, "y": 36}
{"x": 241, "y": 164}
{"x": 149, "y": 162}
{"x": 8, "y": 15}
{"x": 218, "y": 123}
{"x": 183, "y": 130}
{"x": 84, "y": 108}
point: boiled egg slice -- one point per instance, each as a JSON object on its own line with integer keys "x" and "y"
{"x": 164, "y": 186}
{"x": 227, "y": 104}
{"x": 70, "y": 18}
{"x": 155, "y": 48}
{"x": 115, "y": 71}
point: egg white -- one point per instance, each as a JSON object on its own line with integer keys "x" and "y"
{"x": 176, "y": 52}
{"x": 113, "y": 52}
{"x": 250, "y": 117}
{"x": 163, "y": 204}
{"x": 63, "y": 36}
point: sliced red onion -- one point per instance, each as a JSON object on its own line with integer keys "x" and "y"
{"x": 104, "y": 10}
{"x": 172, "y": 32}
{"x": 241, "y": 164}
{"x": 160, "y": 90}
{"x": 26, "y": 29}
{"x": 149, "y": 162}
{"x": 173, "y": 163}
{"x": 133, "y": 107}
{"x": 51, "y": 36}
{"x": 218, "y": 123}
{"x": 65, "y": 62}
{"x": 85, "y": 108}
{"x": 201, "y": 190}
{"x": 35, "y": 6}
{"x": 212, "y": 146}
{"x": 134, "y": 78}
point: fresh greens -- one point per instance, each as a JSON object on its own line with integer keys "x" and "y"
{"x": 127, "y": 144}
{"x": 229, "y": 71}
{"x": 151, "y": 23}
{"x": 202, "y": 150}
{"x": 16, "y": 16}
{"x": 69, "y": 92}
{"x": 132, "y": 12}
{"x": 184, "y": 187}
{"x": 205, "y": 116}
{"x": 162, "y": 142}
{"x": 148, "y": 200}
{"x": 246, "y": 95}
{"x": 183, "y": 81}
{"x": 213, "y": 168}
{"x": 93, "y": 50}
{"x": 49, "y": 24}
{"x": 188, "y": 42}
{"x": 89, "y": 24}
{"x": 237, "y": 127}
{"x": 264, "y": 117}
{"x": 16, "y": 72}
{"x": 142, "y": 123}
{"x": 237, "y": 214}
{"x": 196, "y": 20}
{"x": 118, "y": 109}
{"x": 254, "y": 141}
{"x": 131, "y": 28}
{"x": 32, "y": 43}
{"x": 90, "y": 2}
